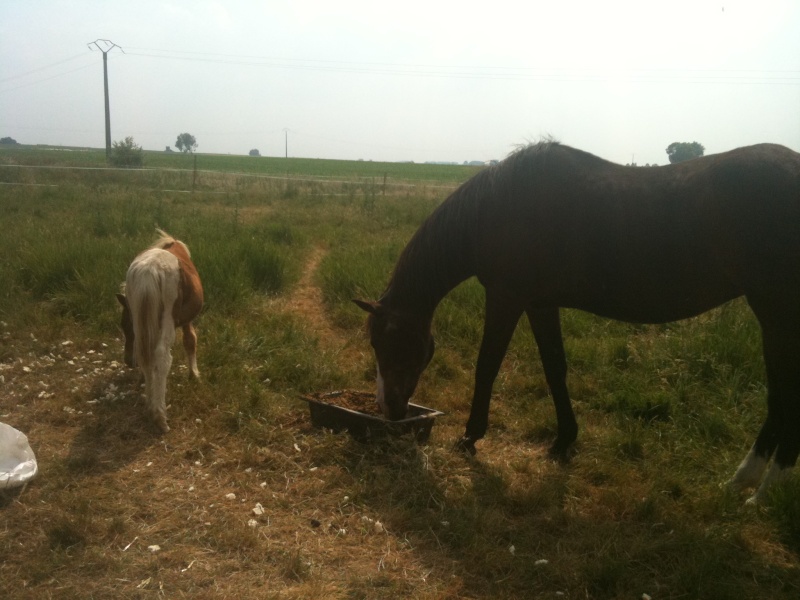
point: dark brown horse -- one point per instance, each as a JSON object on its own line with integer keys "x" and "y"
{"x": 162, "y": 292}
{"x": 551, "y": 226}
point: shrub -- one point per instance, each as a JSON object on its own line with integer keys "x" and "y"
{"x": 126, "y": 154}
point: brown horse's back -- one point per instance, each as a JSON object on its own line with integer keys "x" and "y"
{"x": 565, "y": 228}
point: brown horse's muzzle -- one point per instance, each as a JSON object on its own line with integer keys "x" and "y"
{"x": 395, "y": 412}
{"x": 393, "y": 397}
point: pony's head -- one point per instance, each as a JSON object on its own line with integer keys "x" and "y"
{"x": 126, "y": 323}
{"x": 403, "y": 348}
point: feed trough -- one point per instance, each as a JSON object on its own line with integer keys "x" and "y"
{"x": 358, "y": 413}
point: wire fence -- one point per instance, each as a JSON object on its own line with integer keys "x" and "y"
{"x": 210, "y": 181}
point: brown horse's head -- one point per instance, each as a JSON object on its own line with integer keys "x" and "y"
{"x": 126, "y": 324}
{"x": 403, "y": 348}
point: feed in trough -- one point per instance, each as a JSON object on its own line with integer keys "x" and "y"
{"x": 362, "y": 402}
{"x": 358, "y": 414}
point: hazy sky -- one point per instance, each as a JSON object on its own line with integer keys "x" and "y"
{"x": 414, "y": 80}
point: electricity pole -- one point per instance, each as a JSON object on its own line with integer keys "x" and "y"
{"x": 109, "y": 46}
{"x": 286, "y": 143}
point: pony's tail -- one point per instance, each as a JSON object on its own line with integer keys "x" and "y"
{"x": 165, "y": 240}
{"x": 147, "y": 307}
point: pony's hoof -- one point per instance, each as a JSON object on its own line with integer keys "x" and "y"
{"x": 466, "y": 445}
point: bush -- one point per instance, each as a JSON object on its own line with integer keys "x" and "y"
{"x": 126, "y": 154}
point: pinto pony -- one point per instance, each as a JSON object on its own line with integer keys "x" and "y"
{"x": 551, "y": 227}
{"x": 162, "y": 292}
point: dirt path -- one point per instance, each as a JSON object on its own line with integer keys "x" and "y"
{"x": 306, "y": 300}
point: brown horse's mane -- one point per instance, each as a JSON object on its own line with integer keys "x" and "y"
{"x": 441, "y": 253}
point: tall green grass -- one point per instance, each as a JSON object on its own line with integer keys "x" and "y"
{"x": 70, "y": 256}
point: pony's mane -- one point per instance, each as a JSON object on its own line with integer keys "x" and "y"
{"x": 165, "y": 240}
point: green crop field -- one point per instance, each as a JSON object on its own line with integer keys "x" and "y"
{"x": 244, "y": 498}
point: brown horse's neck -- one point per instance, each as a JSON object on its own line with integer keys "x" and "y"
{"x": 437, "y": 258}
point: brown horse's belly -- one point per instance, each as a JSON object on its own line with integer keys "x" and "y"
{"x": 651, "y": 303}
{"x": 652, "y": 296}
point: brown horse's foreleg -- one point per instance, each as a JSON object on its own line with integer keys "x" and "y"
{"x": 502, "y": 315}
{"x": 190, "y": 345}
{"x": 546, "y": 326}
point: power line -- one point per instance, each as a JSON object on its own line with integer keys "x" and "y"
{"x": 564, "y": 75}
{"x": 579, "y": 74}
{"x": 38, "y": 81}
{"x": 55, "y": 64}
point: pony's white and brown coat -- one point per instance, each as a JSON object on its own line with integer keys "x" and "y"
{"x": 163, "y": 292}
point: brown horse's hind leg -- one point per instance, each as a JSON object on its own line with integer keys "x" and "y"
{"x": 780, "y": 434}
{"x": 502, "y": 316}
{"x": 751, "y": 469}
{"x": 190, "y": 345}
{"x": 781, "y": 431}
{"x": 546, "y": 326}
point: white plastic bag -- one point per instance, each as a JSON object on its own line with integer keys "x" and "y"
{"x": 17, "y": 461}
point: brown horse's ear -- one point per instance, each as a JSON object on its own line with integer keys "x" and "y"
{"x": 373, "y": 308}
{"x": 122, "y": 300}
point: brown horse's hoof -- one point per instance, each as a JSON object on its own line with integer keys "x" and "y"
{"x": 560, "y": 452}
{"x": 467, "y": 445}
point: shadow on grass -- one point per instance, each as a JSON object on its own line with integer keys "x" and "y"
{"x": 116, "y": 433}
{"x": 540, "y": 536}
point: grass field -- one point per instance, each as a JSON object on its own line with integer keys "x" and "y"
{"x": 245, "y": 499}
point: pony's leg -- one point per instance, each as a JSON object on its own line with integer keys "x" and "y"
{"x": 162, "y": 361}
{"x": 546, "y": 326}
{"x": 190, "y": 345}
{"x": 147, "y": 373}
{"x": 502, "y": 315}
